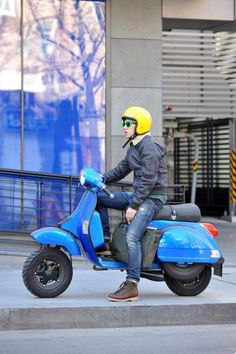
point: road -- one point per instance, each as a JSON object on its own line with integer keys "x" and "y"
{"x": 216, "y": 339}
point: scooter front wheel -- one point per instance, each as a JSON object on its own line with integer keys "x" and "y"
{"x": 191, "y": 288}
{"x": 47, "y": 273}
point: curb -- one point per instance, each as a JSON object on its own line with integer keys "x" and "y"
{"x": 120, "y": 316}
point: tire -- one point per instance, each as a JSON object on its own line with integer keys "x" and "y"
{"x": 192, "y": 288}
{"x": 183, "y": 271}
{"x": 47, "y": 273}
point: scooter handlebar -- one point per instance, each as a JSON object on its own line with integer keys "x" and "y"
{"x": 108, "y": 192}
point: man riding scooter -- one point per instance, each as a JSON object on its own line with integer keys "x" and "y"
{"x": 146, "y": 159}
{"x": 177, "y": 247}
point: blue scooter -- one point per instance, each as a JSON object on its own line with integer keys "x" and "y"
{"x": 184, "y": 257}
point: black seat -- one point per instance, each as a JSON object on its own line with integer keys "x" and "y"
{"x": 179, "y": 212}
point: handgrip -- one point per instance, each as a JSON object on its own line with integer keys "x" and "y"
{"x": 107, "y": 191}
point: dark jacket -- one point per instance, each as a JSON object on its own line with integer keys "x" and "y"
{"x": 147, "y": 161}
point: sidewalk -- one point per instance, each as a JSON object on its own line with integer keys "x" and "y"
{"x": 84, "y": 304}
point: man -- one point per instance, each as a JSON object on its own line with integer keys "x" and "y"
{"x": 146, "y": 159}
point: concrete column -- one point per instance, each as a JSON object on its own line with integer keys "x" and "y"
{"x": 134, "y": 29}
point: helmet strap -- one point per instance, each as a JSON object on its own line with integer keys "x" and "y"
{"x": 131, "y": 138}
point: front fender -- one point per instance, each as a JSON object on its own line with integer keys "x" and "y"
{"x": 185, "y": 244}
{"x": 56, "y": 236}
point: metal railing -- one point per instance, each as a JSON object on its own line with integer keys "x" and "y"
{"x": 30, "y": 200}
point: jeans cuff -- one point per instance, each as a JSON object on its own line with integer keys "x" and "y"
{"x": 132, "y": 280}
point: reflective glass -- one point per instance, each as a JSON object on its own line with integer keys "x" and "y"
{"x": 64, "y": 86}
{"x": 52, "y": 102}
{"x": 10, "y": 84}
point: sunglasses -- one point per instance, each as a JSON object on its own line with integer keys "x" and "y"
{"x": 127, "y": 123}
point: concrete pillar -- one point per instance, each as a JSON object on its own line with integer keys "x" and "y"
{"x": 134, "y": 30}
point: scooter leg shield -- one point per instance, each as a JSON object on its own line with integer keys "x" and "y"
{"x": 58, "y": 237}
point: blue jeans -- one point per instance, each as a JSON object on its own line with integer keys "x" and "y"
{"x": 136, "y": 228}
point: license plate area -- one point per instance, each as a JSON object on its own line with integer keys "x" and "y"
{"x": 218, "y": 270}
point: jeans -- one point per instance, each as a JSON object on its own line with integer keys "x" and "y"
{"x": 136, "y": 228}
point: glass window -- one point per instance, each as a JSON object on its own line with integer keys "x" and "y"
{"x": 52, "y": 102}
{"x": 10, "y": 84}
{"x": 64, "y": 85}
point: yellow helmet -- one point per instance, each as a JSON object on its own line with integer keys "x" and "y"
{"x": 141, "y": 116}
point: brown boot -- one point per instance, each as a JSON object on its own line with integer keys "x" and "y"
{"x": 128, "y": 291}
{"x": 105, "y": 250}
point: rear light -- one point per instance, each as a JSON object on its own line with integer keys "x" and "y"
{"x": 211, "y": 228}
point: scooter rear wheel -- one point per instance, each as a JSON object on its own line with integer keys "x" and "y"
{"x": 47, "y": 273}
{"x": 192, "y": 288}
{"x": 183, "y": 271}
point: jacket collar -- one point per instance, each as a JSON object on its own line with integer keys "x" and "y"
{"x": 138, "y": 138}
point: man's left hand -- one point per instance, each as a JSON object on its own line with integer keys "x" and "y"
{"x": 130, "y": 214}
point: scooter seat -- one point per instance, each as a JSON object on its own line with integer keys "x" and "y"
{"x": 179, "y": 212}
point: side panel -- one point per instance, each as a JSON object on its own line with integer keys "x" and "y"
{"x": 184, "y": 244}
{"x": 96, "y": 231}
{"x": 55, "y": 236}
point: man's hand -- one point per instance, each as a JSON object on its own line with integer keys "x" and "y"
{"x": 130, "y": 214}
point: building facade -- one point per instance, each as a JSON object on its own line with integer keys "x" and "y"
{"x": 72, "y": 67}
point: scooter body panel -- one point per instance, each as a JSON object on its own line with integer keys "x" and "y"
{"x": 73, "y": 222}
{"x": 85, "y": 224}
{"x": 96, "y": 231}
{"x": 115, "y": 264}
{"x": 186, "y": 242}
{"x": 58, "y": 237}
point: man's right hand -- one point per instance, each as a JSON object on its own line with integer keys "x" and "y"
{"x": 130, "y": 214}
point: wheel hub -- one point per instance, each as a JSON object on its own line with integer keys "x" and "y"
{"x": 48, "y": 272}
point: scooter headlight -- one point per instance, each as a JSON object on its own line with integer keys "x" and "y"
{"x": 82, "y": 177}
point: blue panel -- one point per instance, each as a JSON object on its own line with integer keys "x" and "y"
{"x": 96, "y": 231}
{"x": 10, "y": 85}
{"x": 55, "y": 236}
{"x": 10, "y": 128}
{"x": 57, "y": 124}
{"x": 186, "y": 244}
{"x": 64, "y": 99}
{"x": 62, "y": 127}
